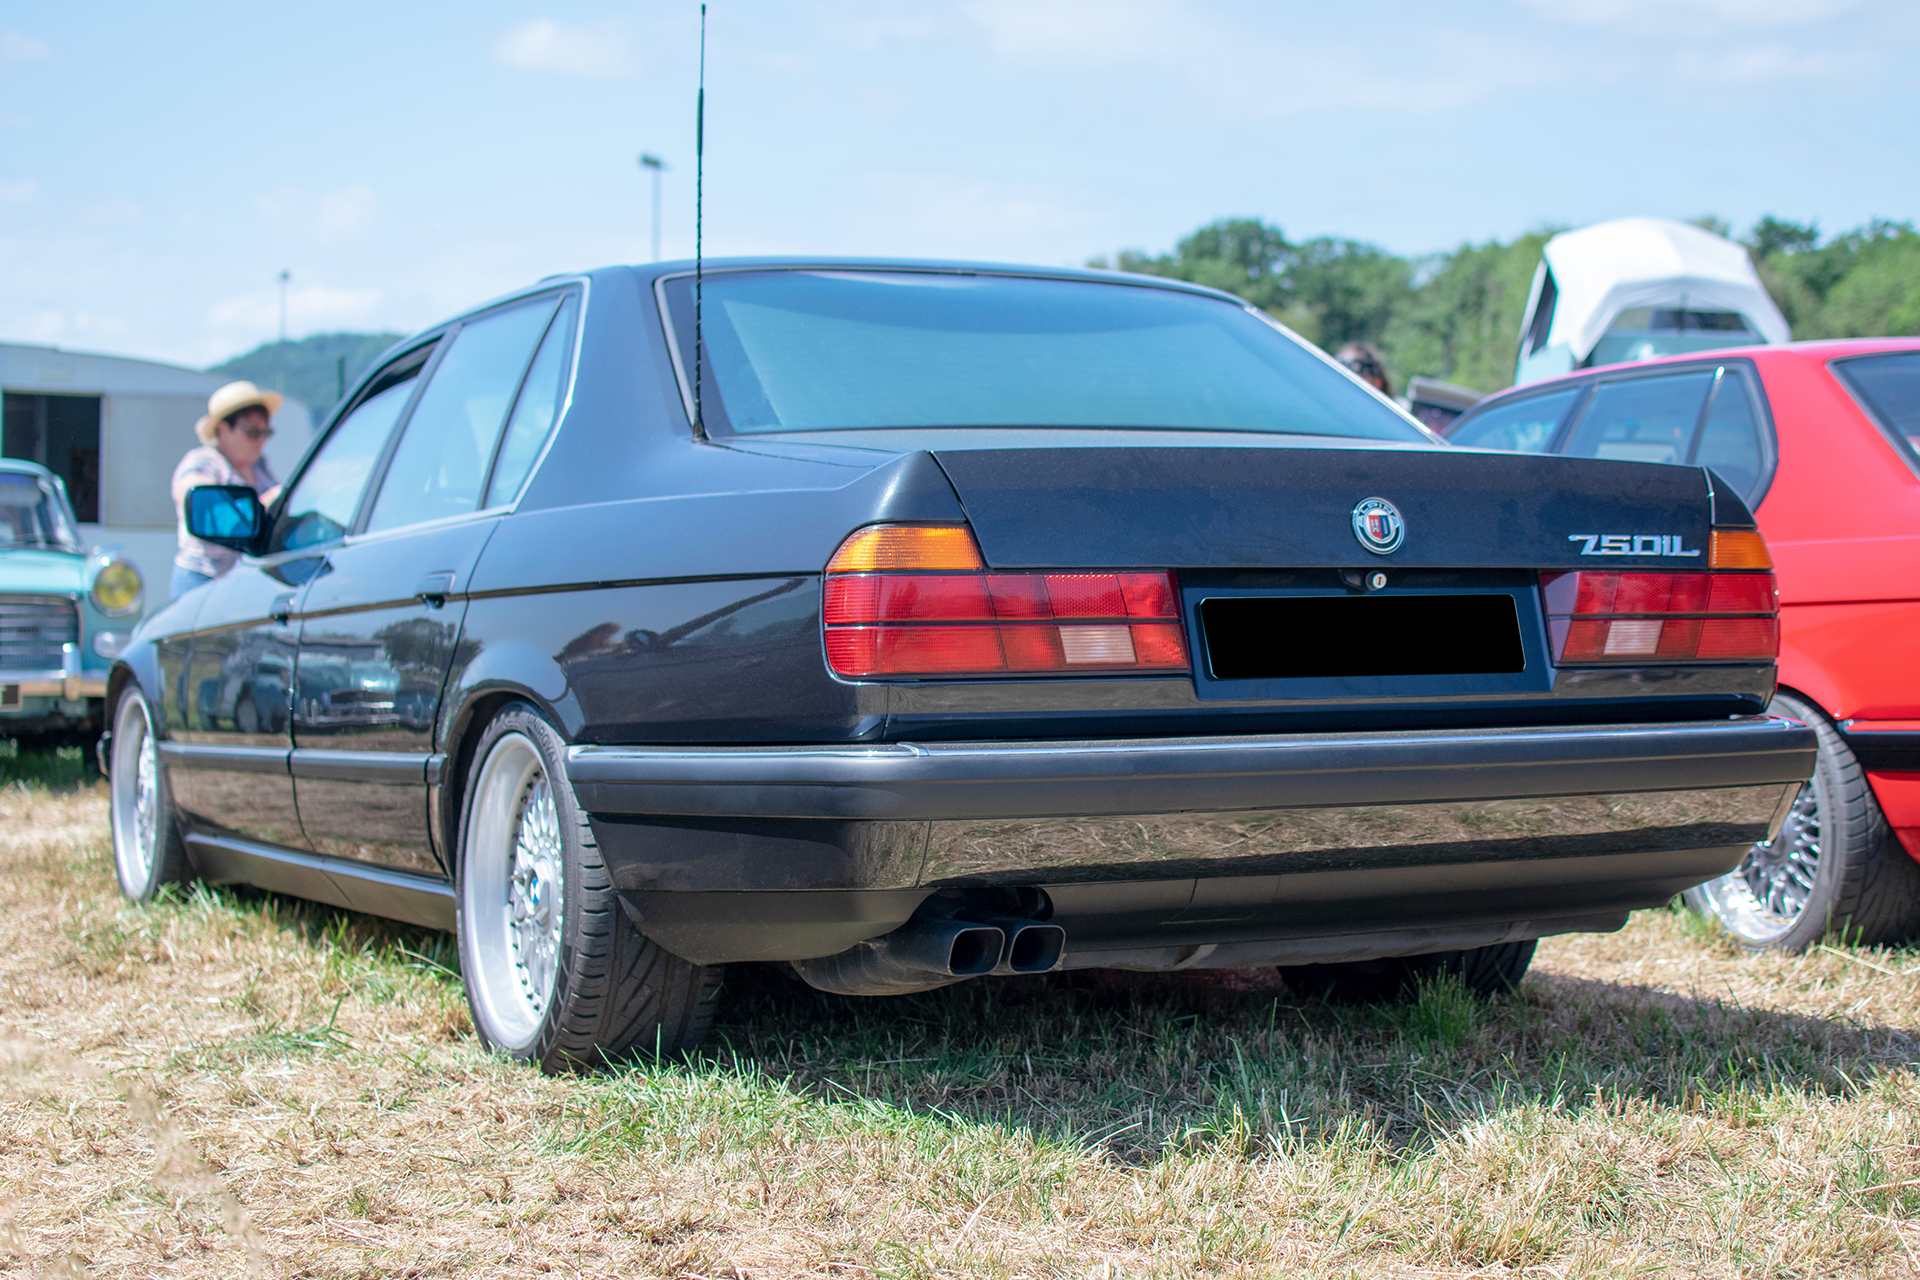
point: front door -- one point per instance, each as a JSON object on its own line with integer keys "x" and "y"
{"x": 228, "y": 754}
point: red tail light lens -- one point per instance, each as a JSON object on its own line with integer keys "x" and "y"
{"x": 914, "y": 608}
{"x": 1661, "y": 617}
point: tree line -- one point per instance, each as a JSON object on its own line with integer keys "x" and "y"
{"x": 1456, "y": 316}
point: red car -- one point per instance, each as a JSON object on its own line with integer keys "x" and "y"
{"x": 1822, "y": 441}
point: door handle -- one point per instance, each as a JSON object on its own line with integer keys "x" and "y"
{"x": 434, "y": 589}
{"x": 282, "y": 607}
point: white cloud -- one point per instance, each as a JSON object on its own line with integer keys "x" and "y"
{"x": 317, "y": 308}
{"x": 15, "y": 47}
{"x": 1733, "y": 12}
{"x": 329, "y": 217}
{"x": 1086, "y": 30}
{"x": 1768, "y": 63}
{"x": 14, "y": 122}
{"x": 24, "y": 191}
{"x": 599, "y": 51}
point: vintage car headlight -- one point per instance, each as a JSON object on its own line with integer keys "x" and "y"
{"x": 117, "y": 588}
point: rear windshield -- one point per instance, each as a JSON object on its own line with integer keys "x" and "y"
{"x": 840, "y": 351}
{"x": 1888, "y": 387}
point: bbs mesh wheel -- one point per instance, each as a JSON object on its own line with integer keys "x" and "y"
{"x": 1834, "y": 870}
{"x": 556, "y": 973}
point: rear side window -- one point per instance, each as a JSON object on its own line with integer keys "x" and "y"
{"x": 1730, "y": 437}
{"x": 1888, "y": 388}
{"x": 442, "y": 460}
{"x": 1643, "y": 419}
{"x": 536, "y": 409}
{"x": 1522, "y": 426}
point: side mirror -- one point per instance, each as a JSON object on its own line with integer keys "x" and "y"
{"x": 227, "y": 515}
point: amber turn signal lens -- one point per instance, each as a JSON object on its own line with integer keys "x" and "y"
{"x": 1738, "y": 549}
{"x": 908, "y": 546}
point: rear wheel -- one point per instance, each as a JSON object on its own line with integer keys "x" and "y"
{"x": 1485, "y": 970}
{"x": 1834, "y": 870}
{"x": 556, "y": 973}
{"x": 147, "y": 851}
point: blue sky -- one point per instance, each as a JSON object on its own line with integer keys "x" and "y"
{"x": 161, "y": 164}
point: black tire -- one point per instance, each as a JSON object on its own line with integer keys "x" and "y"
{"x": 1486, "y": 971}
{"x": 1835, "y": 870}
{"x": 147, "y": 849}
{"x": 610, "y": 994}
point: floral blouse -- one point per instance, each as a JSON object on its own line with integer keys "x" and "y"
{"x": 207, "y": 465}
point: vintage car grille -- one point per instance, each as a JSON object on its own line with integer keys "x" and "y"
{"x": 32, "y": 629}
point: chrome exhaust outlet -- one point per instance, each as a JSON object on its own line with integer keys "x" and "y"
{"x": 918, "y": 956}
{"x": 1032, "y": 945}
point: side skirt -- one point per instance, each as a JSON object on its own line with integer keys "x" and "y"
{"x": 357, "y": 886}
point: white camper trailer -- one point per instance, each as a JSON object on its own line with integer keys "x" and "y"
{"x": 1636, "y": 288}
{"x": 113, "y": 429}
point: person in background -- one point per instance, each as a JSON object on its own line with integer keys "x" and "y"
{"x": 1364, "y": 359}
{"x": 239, "y": 420}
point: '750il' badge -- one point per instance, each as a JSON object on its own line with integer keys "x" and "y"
{"x": 1378, "y": 526}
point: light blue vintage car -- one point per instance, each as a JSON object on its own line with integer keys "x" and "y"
{"x": 65, "y": 611}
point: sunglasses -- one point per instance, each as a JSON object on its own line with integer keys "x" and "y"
{"x": 251, "y": 433}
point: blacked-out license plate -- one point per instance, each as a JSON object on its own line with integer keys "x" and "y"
{"x": 1299, "y": 637}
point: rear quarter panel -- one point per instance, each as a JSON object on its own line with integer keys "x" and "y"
{"x": 1843, "y": 522}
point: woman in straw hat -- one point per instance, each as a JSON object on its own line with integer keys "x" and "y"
{"x": 239, "y": 420}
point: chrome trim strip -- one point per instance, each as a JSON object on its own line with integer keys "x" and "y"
{"x": 396, "y": 768}
{"x": 200, "y": 755}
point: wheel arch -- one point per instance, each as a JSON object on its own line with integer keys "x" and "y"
{"x": 500, "y": 675}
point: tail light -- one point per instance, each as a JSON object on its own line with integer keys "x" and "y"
{"x": 1729, "y": 614}
{"x": 918, "y": 600}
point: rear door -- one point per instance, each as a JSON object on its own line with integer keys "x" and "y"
{"x": 380, "y": 626}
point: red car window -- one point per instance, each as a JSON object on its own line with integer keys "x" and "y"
{"x": 1888, "y": 388}
{"x": 1647, "y": 419}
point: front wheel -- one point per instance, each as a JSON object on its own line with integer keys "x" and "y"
{"x": 556, "y": 973}
{"x": 1834, "y": 869}
{"x": 1485, "y": 970}
{"x": 147, "y": 850}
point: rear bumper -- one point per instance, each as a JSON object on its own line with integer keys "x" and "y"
{"x": 783, "y": 853}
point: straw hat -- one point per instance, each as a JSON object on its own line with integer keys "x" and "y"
{"x": 229, "y": 400}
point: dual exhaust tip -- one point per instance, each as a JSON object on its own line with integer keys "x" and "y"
{"x": 931, "y": 952}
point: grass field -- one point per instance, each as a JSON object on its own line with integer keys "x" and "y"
{"x": 228, "y": 1083}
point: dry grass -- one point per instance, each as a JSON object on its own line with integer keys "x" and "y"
{"x": 227, "y": 1083}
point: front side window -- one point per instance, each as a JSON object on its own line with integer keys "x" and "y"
{"x": 851, "y": 350}
{"x": 32, "y": 515}
{"x": 321, "y": 506}
{"x": 1888, "y": 388}
{"x": 1523, "y": 426}
{"x": 442, "y": 460}
{"x": 1643, "y": 419}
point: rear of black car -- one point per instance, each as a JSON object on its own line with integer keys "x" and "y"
{"x": 1176, "y": 647}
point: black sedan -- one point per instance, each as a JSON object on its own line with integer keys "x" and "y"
{"x": 913, "y": 622}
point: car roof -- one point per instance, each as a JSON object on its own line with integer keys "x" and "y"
{"x": 1761, "y": 353}
{"x": 827, "y": 262}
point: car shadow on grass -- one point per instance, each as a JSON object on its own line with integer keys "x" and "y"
{"x": 1140, "y": 1063}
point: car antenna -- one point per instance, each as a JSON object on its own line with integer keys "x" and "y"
{"x": 699, "y": 175}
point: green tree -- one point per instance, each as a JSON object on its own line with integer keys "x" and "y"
{"x": 1462, "y": 323}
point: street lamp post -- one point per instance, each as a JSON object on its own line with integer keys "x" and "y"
{"x": 654, "y": 164}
